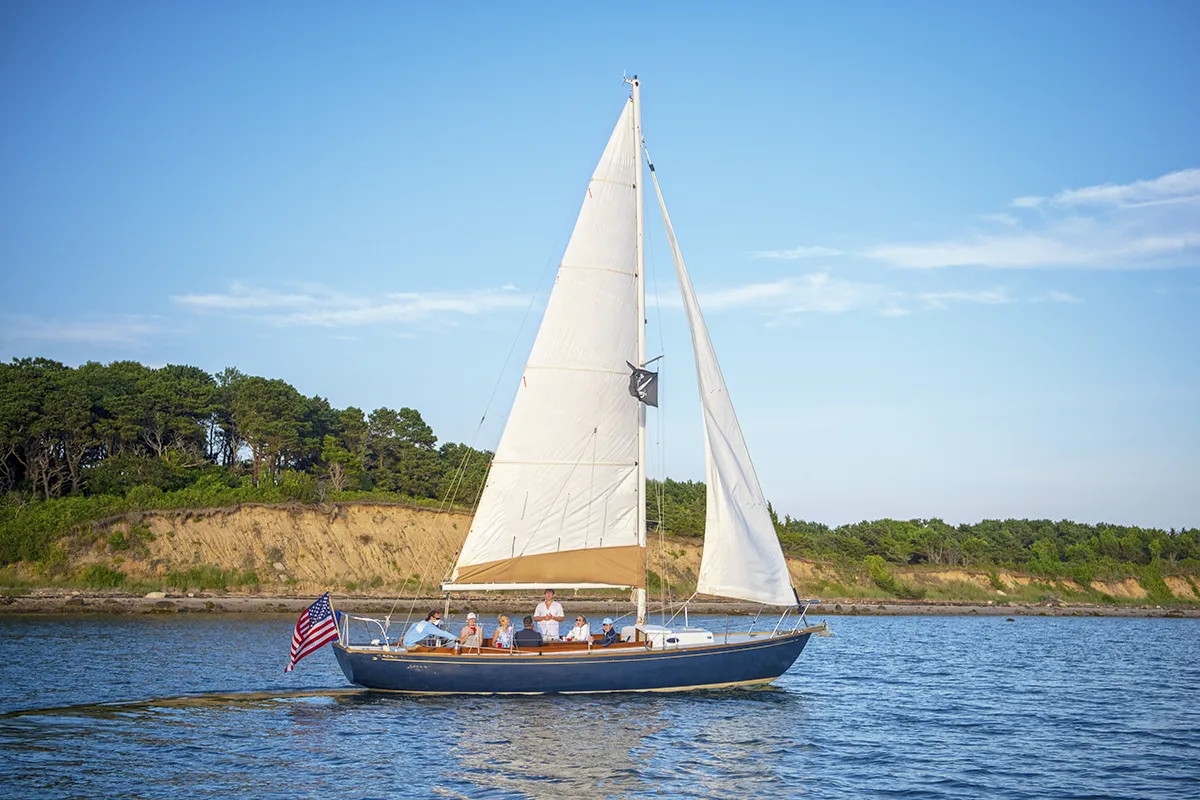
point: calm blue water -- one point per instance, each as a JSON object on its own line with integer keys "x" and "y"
{"x": 904, "y": 707}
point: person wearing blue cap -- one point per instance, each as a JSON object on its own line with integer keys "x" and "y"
{"x": 610, "y": 635}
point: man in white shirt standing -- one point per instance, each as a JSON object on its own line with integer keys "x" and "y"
{"x": 547, "y": 615}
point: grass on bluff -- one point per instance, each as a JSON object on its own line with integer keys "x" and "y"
{"x": 30, "y": 531}
{"x": 40, "y": 539}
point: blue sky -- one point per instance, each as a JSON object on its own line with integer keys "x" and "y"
{"x": 949, "y": 254}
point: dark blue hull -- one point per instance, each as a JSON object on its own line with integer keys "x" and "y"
{"x": 754, "y": 662}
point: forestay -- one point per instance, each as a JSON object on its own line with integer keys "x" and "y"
{"x": 742, "y": 557}
{"x": 560, "y": 504}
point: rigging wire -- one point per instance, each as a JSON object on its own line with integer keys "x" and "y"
{"x": 659, "y": 419}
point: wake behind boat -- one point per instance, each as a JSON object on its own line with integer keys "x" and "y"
{"x": 564, "y": 503}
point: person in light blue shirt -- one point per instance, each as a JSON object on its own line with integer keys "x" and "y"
{"x": 427, "y": 628}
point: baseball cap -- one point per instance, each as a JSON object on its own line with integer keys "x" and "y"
{"x": 607, "y": 621}
{"x": 471, "y": 615}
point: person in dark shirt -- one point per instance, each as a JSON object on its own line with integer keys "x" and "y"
{"x": 529, "y": 637}
{"x": 610, "y": 635}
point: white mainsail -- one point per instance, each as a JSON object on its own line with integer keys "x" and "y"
{"x": 742, "y": 557}
{"x": 560, "y": 504}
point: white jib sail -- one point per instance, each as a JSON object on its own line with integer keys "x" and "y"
{"x": 560, "y": 504}
{"x": 742, "y": 557}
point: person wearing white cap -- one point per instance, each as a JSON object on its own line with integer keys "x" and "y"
{"x": 472, "y": 634}
{"x": 610, "y": 635}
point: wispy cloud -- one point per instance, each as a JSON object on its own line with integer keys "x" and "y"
{"x": 814, "y": 292}
{"x": 1058, "y": 297}
{"x": 124, "y": 329}
{"x": 315, "y": 305}
{"x": 821, "y": 293}
{"x": 242, "y": 296}
{"x": 1174, "y": 187}
{"x": 1002, "y": 218}
{"x": 812, "y": 251}
{"x": 1144, "y": 224}
{"x": 991, "y": 297}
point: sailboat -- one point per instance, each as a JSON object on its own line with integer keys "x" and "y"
{"x": 564, "y": 503}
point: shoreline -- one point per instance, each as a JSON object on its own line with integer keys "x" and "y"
{"x": 75, "y": 602}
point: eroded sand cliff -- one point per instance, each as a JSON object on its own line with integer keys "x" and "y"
{"x": 385, "y": 550}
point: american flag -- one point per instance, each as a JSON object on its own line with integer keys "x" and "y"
{"x": 314, "y": 630}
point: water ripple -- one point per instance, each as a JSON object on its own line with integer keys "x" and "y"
{"x": 891, "y": 707}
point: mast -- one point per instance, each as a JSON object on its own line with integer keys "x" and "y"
{"x": 641, "y": 324}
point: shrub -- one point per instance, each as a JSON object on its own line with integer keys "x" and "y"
{"x": 28, "y": 530}
{"x": 117, "y": 475}
{"x": 140, "y": 533}
{"x": 654, "y": 583}
{"x": 101, "y": 576}
{"x": 1045, "y": 559}
{"x": 1151, "y": 579}
{"x": 210, "y": 576}
{"x": 1084, "y": 573}
{"x": 299, "y": 487}
{"x": 145, "y": 496}
{"x": 882, "y": 578}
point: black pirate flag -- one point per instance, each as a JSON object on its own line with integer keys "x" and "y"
{"x": 643, "y": 384}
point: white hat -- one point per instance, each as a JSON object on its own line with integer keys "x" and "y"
{"x": 471, "y": 615}
{"x": 607, "y": 621}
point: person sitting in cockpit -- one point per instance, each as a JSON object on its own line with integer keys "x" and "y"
{"x": 529, "y": 636}
{"x": 610, "y": 635}
{"x": 427, "y": 632}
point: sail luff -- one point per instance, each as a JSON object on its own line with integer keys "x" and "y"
{"x": 742, "y": 557}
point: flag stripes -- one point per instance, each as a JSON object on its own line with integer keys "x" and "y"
{"x": 315, "y": 629}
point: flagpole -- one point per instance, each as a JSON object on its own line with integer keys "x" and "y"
{"x": 338, "y": 628}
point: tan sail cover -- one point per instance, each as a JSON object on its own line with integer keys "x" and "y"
{"x": 560, "y": 504}
{"x": 742, "y": 557}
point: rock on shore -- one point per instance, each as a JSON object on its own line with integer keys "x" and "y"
{"x": 49, "y": 602}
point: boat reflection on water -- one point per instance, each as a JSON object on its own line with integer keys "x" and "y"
{"x": 543, "y": 748}
{"x": 600, "y": 745}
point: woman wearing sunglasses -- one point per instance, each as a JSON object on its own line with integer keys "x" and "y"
{"x": 581, "y": 632}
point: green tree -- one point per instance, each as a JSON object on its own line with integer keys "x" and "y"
{"x": 225, "y": 440}
{"x": 1045, "y": 560}
{"x": 402, "y": 454}
{"x": 24, "y": 385}
{"x": 121, "y": 406}
{"x": 343, "y": 468}
{"x": 463, "y": 472}
{"x": 269, "y": 416}
{"x": 178, "y": 401}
